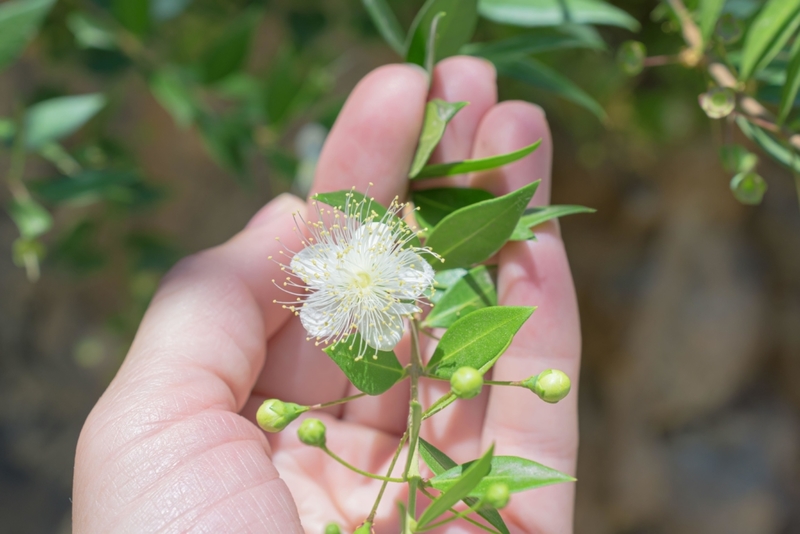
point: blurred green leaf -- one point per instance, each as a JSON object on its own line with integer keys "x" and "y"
{"x": 90, "y": 33}
{"x": 475, "y": 165}
{"x": 436, "y": 204}
{"x": 769, "y": 32}
{"x": 28, "y": 253}
{"x": 386, "y": 22}
{"x": 535, "y": 216}
{"x": 31, "y": 218}
{"x": 19, "y": 21}
{"x": 228, "y": 53}
{"x": 163, "y": 10}
{"x": 475, "y": 233}
{"x": 477, "y": 340}
{"x": 86, "y": 187}
{"x": 748, "y": 187}
{"x": 438, "y": 114}
{"x": 555, "y": 12}
{"x": 227, "y": 139}
{"x": 439, "y": 462}
{"x": 792, "y": 84}
{"x": 519, "y": 474}
{"x": 538, "y": 41}
{"x": 77, "y": 249}
{"x": 473, "y": 291}
{"x": 769, "y": 144}
{"x": 710, "y": 10}
{"x": 454, "y": 29}
{"x": 133, "y": 15}
{"x": 50, "y": 120}
{"x": 736, "y": 159}
{"x": 174, "y": 94}
{"x": 470, "y": 478}
{"x": 431, "y": 46}
{"x": 305, "y": 25}
{"x": 282, "y": 86}
{"x": 538, "y": 74}
{"x": 373, "y": 374}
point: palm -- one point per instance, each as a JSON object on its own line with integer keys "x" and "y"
{"x": 166, "y": 448}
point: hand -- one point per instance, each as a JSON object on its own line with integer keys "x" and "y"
{"x": 172, "y": 445}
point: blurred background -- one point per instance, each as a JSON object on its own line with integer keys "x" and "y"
{"x": 133, "y": 133}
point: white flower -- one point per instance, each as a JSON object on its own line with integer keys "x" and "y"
{"x": 358, "y": 276}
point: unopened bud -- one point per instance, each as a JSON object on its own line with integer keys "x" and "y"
{"x": 497, "y": 495}
{"x": 718, "y": 102}
{"x": 748, "y": 187}
{"x": 273, "y": 415}
{"x": 366, "y": 528}
{"x": 551, "y": 385}
{"x": 332, "y": 528}
{"x": 630, "y": 57}
{"x": 466, "y": 383}
{"x": 312, "y": 432}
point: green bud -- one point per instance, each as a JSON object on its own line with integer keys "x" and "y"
{"x": 466, "y": 383}
{"x": 551, "y": 385}
{"x": 736, "y": 159}
{"x": 332, "y": 528}
{"x": 497, "y": 495}
{"x": 312, "y": 432}
{"x": 630, "y": 57}
{"x": 366, "y": 528}
{"x": 748, "y": 187}
{"x": 273, "y": 415}
{"x": 718, "y": 102}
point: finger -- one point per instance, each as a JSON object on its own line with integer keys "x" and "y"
{"x": 168, "y": 418}
{"x": 372, "y": 141}
{"x": 533, "y": 274}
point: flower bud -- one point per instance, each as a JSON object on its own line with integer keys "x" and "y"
{"x": 332, "y": 528}
{"x": 273, "y": 415}
{"x": 748, "y": 187}
{"x": 466, "y": 383}
{"x": 366, "y": 528}
{"x": 551, "y": 385}
{"x": 718, "y": 102}
{"x": 630, "y": 57}
{"x": 497, "y": 495}
{"x": 312, "y": 432}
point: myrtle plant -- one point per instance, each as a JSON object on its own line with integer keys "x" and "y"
{"x": 369, "y": 274}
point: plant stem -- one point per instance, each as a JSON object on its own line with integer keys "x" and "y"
{"x": 335, "y": 402}
{"x": 411, "y": 472}
{"x": 357, "y": 470}
{"x": 371, "y": 517}
{"x": 456, "y": 515}
{"x": 431, "y": 496}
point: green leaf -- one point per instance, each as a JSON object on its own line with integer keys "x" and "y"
{"x": 477, "y": 340}
{"x": 748, "y": 188}
{"x": 373, "y": 374}
{"x": 50, "y": 120}
{"x": 769, "y": 144}
{"x": 792, "y": 84}
{"x": 710, "y": 10}
{"x": 90, "y": 33}
{"x": 771, "y": 29}
{"x": 86, "y": 187}
{"x": 470, "y": 478}
{"x": 282, "y": 86}
{"x": 163, "y": 10}
{"x": 228, "y": 53}
{"x": 339, "y": 199}
{"x": 442, "y": 281}
{"x": 31, "y": 218}
{"x": 472, "y": 292}
{"x": 538, "y": 74}
{"x": 439, "y": 462}
{"x": 436, "y": 204}
{"x": 518, "y": 473}
{"x": 541, "y": 40}
{"x": 174, "y": 95}
{"x": 473, "y": 234}
{"x": 475, "y": 165}
{"x": 227, "y": 139}
{"x": 134, "y": 15}
{"x": 386, "y": 23}
{"x": 437, "y": 114}
{"x": 536, "y": 216}
{"x": 454, "y": 29}
{"x": 19, "y": 21}
{"x": 430, "y": 48}
{"x": 555, "y": 12}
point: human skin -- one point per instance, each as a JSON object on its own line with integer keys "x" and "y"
{"x": 172, "y": 445}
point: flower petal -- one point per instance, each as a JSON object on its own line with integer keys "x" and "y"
{"x": 316, "y": 318}
{"x": 414, "y": 274}
{"x": 381, "y": 331}
{"x": 311, "y": 263}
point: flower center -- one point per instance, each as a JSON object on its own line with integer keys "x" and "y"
{"x": 362, "y": 280}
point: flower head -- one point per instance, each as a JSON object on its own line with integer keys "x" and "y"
{"x": 359, "y": 275}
